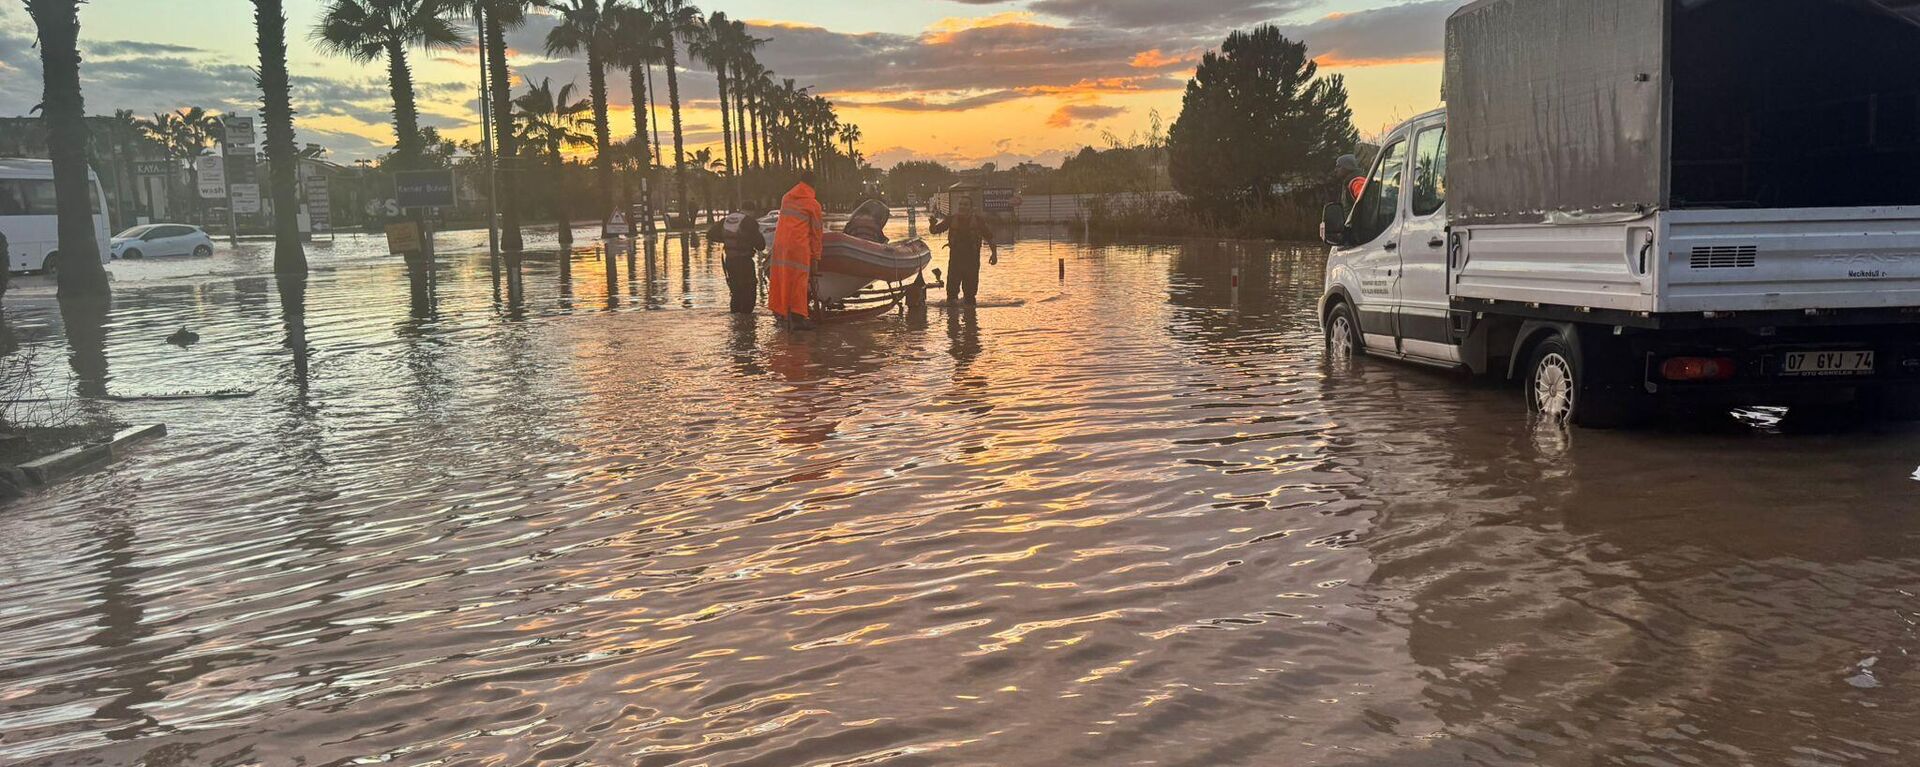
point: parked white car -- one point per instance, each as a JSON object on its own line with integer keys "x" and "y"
{"x": 162, "y": 240}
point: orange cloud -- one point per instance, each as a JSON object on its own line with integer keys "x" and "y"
{"x": 773, "y": 24}
{"x": 1335, "y": 61}
{"x": 1156, "y": 59}
{"x": 944, "y": 31}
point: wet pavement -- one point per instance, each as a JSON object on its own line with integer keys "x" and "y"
{"x": 1124, "y": 518}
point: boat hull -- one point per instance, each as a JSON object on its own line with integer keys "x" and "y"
{"x": 849, "y": 264}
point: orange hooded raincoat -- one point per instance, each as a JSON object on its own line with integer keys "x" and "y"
{"x": 796, "y": 251}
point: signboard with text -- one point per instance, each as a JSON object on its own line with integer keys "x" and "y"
{"x": 246, "y": 198}
{"x": 239, "y": 135}
{"x": 403, "y": 238}
{"x": 424, "y": 188}
{"x": 997, "y": 200}
{"x": 161, "y": 168}
{"x": 319, "y": 203}
{"x": 212, "y": 172}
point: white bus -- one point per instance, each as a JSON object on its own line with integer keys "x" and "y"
{"x": 28, "y": 218}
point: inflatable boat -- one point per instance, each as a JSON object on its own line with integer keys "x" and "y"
{"x": 849, "y": 264}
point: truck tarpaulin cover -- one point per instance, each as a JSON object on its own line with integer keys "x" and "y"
{"x": 1556, "y": 108}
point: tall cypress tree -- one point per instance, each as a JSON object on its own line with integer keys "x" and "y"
{"x": 1256, "y": 116}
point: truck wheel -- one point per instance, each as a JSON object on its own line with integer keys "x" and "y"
{"x": 1561, "y": 388}
{"x": 1343, "y": 335}
{"x": 1553, "y": 382}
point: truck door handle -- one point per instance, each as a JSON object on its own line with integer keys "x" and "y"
{"x": 1393, "y": 246}
{"x": 1436, "y": 243}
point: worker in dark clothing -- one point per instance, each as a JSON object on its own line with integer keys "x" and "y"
{"x": 966, "y": 232}
{"x": 740, "y": 234}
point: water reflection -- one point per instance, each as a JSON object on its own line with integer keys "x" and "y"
{"x": 1120, "y": 519}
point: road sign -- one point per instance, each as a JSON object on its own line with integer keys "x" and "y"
{"x": 404, "y": 238}
{"x": 617, "y": 224}
{"x": 239, "y": 135}
{"x": 161, "y": 168}
{"x": 213, "y": 176}
{"x": 424, "y": 188}
{"x": 319, "y": 203}
{"x": 246, "y": 198}
{"x": 997, "y": 200}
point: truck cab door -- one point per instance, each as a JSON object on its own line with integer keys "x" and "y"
{"x": 1375, "y": 227}
{"x": 1424, "y": 309}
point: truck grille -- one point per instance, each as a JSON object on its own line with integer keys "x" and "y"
{"x": 1725, "y": 256}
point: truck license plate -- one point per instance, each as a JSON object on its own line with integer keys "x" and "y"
{"x": 1828, "y": 364}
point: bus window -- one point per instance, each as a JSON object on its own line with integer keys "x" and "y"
{"x": 36, "y": 197}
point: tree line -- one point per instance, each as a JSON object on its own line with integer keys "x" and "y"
{"x": 770, "y": 126}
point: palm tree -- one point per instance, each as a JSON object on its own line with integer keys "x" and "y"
{"x": 851, "y": 135}
{"x": 276, "y": 90}
{"x": 713, "y": 44}
{"x": 706, "y": 166}
{"x": 587, "y": 26}
{"x": 675, "y": 20}
{"x": 637, "y": 47}
{"x": 756, "y": 81}
{"x": 115, "y": 141}
{"x": 500, "y": 16}
{"x": 743, "y": 46}
{"x": 367, "y": 30}
{"x": 183, "y": 135}
{"x": 553, "y": 122}
{"x": 80, "y": 273}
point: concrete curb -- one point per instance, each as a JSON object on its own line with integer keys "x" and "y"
{"x": 47, "y": 470}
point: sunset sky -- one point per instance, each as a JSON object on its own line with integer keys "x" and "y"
{"x": 959, "y": 81}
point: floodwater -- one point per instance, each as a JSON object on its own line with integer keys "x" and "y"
{"x": 1124, "y": 518}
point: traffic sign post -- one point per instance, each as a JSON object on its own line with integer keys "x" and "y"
{"x": 418, "y": 192}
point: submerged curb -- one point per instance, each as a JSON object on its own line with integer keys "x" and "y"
{"x": 66, "y": 463}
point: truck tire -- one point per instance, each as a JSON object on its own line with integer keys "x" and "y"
{"x": 1343, "y": 335}
{"x": 1562, "y": 388}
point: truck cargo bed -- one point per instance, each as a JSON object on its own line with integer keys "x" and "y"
{"x": 1693, "y": 261}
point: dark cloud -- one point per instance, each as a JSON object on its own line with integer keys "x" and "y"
{"x": 1069, "y": 114}
{"x": 1410, "y": 32}
{"x": 120, "y": 48}
{"x": 1155, "y": 14}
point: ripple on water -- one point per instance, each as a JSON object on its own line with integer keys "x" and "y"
{"x": 1124, "y": 518}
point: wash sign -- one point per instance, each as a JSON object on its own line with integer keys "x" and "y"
{"x": 424, "y": 188}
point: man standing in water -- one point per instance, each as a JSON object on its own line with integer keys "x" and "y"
{"x": 966, "y": 231}
{"x": 740, "y": 234}
{"x": 797, "y": 244}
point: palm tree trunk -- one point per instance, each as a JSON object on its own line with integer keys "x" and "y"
{"x": 406, "y": 118}
{"x": 602, "y": 133}
{"x": 740, "y": 118}
{"x": 507, "y": 154}
{"x": 270, "y": 20}
{"x": 726, "y": 133}
{"x": 81, "y": 275}
{"x": 679, "y": 134}
{"x": 637, "y": 83}
{"x": 560, "y": 207}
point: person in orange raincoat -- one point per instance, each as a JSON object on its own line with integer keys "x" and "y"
{"x": 797, "y": 243}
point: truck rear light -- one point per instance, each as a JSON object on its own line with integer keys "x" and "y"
{"x": 1699, "y": 369}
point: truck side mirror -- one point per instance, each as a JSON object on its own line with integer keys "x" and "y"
{"x": 1333, "y": 225}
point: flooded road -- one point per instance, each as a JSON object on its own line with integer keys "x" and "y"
{"x": 1122, "y": 518}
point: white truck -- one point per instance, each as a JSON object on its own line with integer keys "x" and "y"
{"x": 1631, "y": 203}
